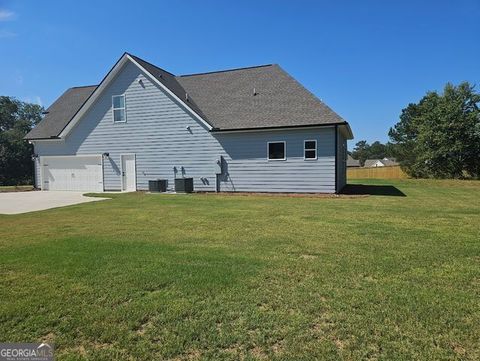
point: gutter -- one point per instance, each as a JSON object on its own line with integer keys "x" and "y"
{"x": 219, "y": 130}
{"x": 55, "y": 137}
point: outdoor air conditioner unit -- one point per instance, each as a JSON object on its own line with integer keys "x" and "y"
{"x": 158, "y": 185}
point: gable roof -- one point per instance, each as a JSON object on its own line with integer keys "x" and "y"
{"x": 62, "y": 110}
{"x": 253, "y": 98}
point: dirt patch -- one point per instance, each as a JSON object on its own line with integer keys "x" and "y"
{"x": 49, "y": 337}
{"x": 258, "y": 353}
{"x": 80, "y": 350}
{"x": 459, "y": 349}
{"x": 144, "y": 327}
{"x": 189, "y": 356}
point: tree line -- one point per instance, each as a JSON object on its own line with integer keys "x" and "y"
{"x": 438, "y": 137}
{"x": 16, "y": 120}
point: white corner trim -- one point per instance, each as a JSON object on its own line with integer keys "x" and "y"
{"x": 171, "y": 93}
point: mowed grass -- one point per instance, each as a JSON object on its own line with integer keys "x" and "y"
{"x": 221, "y": 277}
{"x": 16, "y": 188}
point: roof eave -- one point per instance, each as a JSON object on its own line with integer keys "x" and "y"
{"x": 280, "y": 127}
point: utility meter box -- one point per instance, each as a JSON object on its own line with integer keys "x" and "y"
{"x": 218, "y": 165}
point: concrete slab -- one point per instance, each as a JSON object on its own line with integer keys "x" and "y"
{"x": 23, "y": 202}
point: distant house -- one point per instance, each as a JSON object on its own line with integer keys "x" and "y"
{"x": 385, "y": 162}
{"x": 352, "y": 163}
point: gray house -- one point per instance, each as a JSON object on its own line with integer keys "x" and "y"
{"x": 252, "y": 129}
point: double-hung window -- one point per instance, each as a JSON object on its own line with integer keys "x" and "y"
{"x": 276, "y": 151}
{"x": 118, "y": 104}
{"x": 310, "y": 150}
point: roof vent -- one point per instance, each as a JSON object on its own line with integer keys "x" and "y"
{"x": 254, "y": 92}
{"x": 186, "y": 97}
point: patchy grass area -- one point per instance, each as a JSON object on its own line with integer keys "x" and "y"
{"x": 391, "y": 276}
{"x": 16, "y": 188}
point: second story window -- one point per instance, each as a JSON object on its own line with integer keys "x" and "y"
{"x": 118, "y": 103}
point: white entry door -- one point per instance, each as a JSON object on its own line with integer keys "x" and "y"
{"x": 129, "y": 177}
{"x": 72, "y": 173}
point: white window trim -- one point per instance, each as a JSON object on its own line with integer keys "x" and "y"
{"x": 284, "y": 147}
{"x": 124, "y": 108}
{"x": 305, "y": 149}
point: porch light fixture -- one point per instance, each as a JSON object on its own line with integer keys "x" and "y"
{"x": 105, "y": 155}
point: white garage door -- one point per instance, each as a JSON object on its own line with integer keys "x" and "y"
{"x": 72, "y": 173}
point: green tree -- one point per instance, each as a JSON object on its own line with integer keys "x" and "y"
{"x": 440, "y": 136}
{"x": 16, "y": 120}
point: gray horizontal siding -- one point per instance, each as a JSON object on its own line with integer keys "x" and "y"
{"x": 249, "y": 170}
{"x": 156, "y": 132}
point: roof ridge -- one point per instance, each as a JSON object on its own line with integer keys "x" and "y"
{"x": 147, "y": 62}
{"x": 226, "y": 70}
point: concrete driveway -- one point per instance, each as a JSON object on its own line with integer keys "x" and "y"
{"x": 23, "y": 202}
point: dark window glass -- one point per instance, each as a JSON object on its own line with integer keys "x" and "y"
{"x": 310, "y": 149}
{"x": 276, "y": 150}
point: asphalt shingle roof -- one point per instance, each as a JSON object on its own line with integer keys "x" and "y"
{"x": 247, "y": 98}
{"x": 228, "y": 101}
{"x": 352, "y": 162}
{"x": 60, "y": 112}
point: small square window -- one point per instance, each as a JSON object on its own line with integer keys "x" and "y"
{"x": 276, "y": 151}
{"x": 310, "y": 150}
{"x": 118, "y": 105}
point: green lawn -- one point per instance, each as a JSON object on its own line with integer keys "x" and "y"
{"x": 15, "y": 188}
{"x": 191, "y": 277}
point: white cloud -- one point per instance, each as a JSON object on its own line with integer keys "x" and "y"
{"x": 6, "y": 15}
{"x": 38, "y": 100}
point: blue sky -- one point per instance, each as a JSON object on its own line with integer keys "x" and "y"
{"x": 366, "y": 59}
